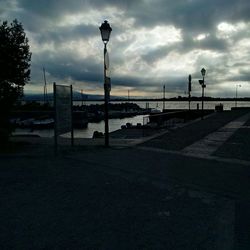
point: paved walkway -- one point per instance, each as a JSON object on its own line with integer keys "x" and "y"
{"x": 210, "y": 143}
{"x": 128, "y": 196}
{"x": 215, "y": 146}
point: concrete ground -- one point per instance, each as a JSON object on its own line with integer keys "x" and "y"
{"x": 150, "y": 193}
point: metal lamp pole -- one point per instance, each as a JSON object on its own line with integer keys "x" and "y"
{"x": 189, "y": 90}
{"x": 105, "y": 30}
{"x": 164, "y": 88}
{"x": 203, "y": 73}
{"x": 106, "y": 101}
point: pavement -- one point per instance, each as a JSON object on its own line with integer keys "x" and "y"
{"x": 183, "y": 188}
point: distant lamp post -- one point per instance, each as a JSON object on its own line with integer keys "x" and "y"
{"x": 236, "y": 94}
{"x": 203, "y": 85}
{"x": 105, "y": 30}
{"x": 82, "y": 96}
{"x": 164, "y": 97}
{"x": 189, "y": 90}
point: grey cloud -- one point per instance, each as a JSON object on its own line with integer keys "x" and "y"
{"x": 211, "y": 42}
{"x": 241, "y": 64}
{"x": 188, "y": 44}
{"x": 242, "y": 77}
{"x": 177, "y": 84}
{"x": 66, "y": 34}
{"x": 51, "y": 8}
{"x": 190, "y": 15}
{"x": 158, "y": 53}
{"x": 193, "y": 17}
{"x": 63, "y": 66}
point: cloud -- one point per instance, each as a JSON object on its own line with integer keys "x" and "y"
{"x": 152, "y": 42}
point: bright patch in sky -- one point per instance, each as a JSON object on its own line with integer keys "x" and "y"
{"x": 201, "y": 37}
{"x": 226, "y": 30}
{"x": 147, "y": 39}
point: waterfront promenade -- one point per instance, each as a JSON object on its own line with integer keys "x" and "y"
{"x": 184, "y": 188}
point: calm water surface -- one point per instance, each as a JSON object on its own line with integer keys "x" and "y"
{"x": 114, "y": 124}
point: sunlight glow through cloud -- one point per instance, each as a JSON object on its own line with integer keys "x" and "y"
{"x": 146, "y": 39}
{"x": 201, "y": 37}
{"x": 226, "y": 30}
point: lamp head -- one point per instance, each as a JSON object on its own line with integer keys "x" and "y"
{"x": 105, "y": 30}
{"x": 203, "y": 72}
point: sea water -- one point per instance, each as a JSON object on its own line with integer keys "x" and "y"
{"x": 115, "y": 124}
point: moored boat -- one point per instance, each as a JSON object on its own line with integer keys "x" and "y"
{"x": 43, "y": 123}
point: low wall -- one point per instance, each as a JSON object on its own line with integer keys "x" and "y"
{"x": 184, "y": 115}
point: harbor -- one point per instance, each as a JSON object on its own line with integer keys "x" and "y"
{"x": 89, "y": 122}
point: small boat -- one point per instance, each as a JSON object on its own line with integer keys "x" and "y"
{"x": 155, "y": 111}
{"x": 26, "y": 123}
{"x": 43, "y": 123}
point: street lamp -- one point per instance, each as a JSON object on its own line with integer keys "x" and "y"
{"x": 189, "y": 90}
{"x": 164, "y": 97}
{"x": 203, "y": 85}
{"x": 105, "y": 30}
{"x": 236, "y": 93}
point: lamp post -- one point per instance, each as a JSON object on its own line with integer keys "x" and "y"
{"x": 164, "y": 91}
{"x": 203, "y": 85}
{"x": 82, "y": 96}
{"x": 189, "y": 90}
{"x": 105, "y": 30}
{"x": 236, "y": 93}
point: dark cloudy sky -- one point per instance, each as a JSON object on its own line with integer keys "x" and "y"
{"x": 153, "y": 42}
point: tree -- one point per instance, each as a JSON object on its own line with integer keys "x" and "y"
{"x": 15, "y": 59}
